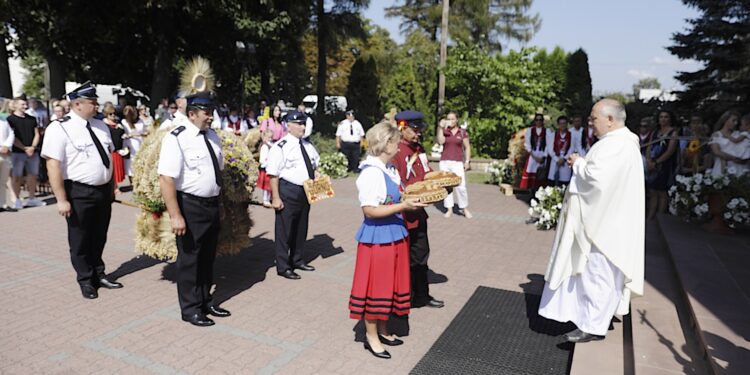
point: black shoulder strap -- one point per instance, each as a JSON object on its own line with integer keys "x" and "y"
{"x": 63, "y": 119}
{"x": 281, "y": 143}
{"x": 178, "y": 130}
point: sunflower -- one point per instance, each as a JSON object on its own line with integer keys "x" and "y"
{"x": 694, "y": 146}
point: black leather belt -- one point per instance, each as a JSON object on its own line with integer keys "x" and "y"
{"x": 203, "y": 200}
{"x": 81, "y": 184}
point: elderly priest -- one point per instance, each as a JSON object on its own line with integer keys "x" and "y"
{"x": 597, "y": 259}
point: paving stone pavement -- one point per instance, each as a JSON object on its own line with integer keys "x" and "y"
{"x": 277, "y": 325}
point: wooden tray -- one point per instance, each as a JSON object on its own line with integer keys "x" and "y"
{"x": 318, "y": 189}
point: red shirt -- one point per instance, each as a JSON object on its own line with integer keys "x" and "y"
{"x": 453, "y": 148}
{"x": 407, "y": 152}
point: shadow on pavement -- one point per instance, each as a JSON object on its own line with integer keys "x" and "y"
{"x": 320, "y": 245}
{"x": 139, "y": 262}
{"x": 435, "y": 278}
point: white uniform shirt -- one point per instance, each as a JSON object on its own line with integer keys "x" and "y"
{"x": 350, "y": 131}
{"x": 371, "y": 183}
{"x": 286, "y": 162}
{"x": 69, "y": 142}
{"x": 186, "y": 159}
{"x": 308, "y": 127}
{"x": 178, "y": 119}
{"x": 7, "y": 136}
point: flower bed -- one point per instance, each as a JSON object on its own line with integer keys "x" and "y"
{"x": 333, "y": 165}
{"x": 689, "y": 197}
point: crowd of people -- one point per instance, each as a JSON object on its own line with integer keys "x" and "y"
{"x": 668, "y": 149}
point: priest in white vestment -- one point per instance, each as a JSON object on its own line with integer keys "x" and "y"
{"x": 597, "y": 260}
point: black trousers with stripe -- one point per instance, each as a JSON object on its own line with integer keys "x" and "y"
{"x": 419, "y": 252}
{"x": 196, "y": 251}
{"x": 291, "y": 226}
{"x": 88, "y": 223}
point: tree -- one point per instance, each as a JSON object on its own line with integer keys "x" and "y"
{"x": 6, "y": 89}
{"x": 577, "y": 93}
{"x": 645, "y": 83}
{"x": 555, "y": 65}
{"x": 362, "y": 93}
{"x": 35, "y": 67}
{"x": 341, "y": 22}
{"x": 720, "y": 39}
{"x": 485, "y": 23}
{"x": 497, "y": 93}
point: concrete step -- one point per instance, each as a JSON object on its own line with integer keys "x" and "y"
{"x": 712, "y": 272}
{"x": 662, "y": 340}
{"x": 600, "y": 357}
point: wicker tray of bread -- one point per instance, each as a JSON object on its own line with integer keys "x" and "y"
{"x": 443, "y": 178}
{"x": 425, "y": 192}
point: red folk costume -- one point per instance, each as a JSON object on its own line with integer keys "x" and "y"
{"x": 411, "y": 163}
{"x": 560, "y": 149}
{"x": 236, "y": 125}
{"x": 536, "y": 144}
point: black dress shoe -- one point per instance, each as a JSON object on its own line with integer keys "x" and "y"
{"x": 305, "y": 267}
{"x": 8, "y": 209}
{"x": 104, "y": 283}
{"x": 217, "y": 311}
{"x": 394, "y": 342}
{"x": 199, "y": 320}
{"x": 384, "y": 354}
{"x": 435, "y": 303}
{"x": 289, "y": 274}
{"x": 578, "y": 336}
{"x": 89, "y": 292}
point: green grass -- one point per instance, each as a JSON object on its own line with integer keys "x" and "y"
{"x": 475, "y": 177}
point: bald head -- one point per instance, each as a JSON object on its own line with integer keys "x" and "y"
{"x": 607, "y": 115}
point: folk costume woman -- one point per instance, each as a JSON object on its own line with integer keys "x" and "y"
{"x": 381, "y": 276}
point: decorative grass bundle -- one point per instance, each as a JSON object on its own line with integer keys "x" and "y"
{"x": 153, "y": 231}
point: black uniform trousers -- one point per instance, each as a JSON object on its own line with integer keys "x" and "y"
{"x": 419, "y": 252}
{"x": 352, "y": 152}
{"x": 196, "y": 251}
{"x": 291, "y": 226}
{"x": 91, "y": 209}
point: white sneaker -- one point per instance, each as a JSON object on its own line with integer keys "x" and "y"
{"x": 35, "y": 202}
{"x": 18, "y": 205}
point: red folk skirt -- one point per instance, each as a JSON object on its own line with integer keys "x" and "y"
{"x": 264, "y": 180}
{"x": 118, "y": 168}
{"x": 381, "y": 281}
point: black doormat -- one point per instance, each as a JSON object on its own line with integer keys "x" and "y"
{"x": 499, "y": 332}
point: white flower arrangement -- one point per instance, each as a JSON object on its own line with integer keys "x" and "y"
{"x": 501, "y": 172}
{"x": 546, "y": 206}
{"x": 689, "y": 197}
{"x": 737, "y": 212}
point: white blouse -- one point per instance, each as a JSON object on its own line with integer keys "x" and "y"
{"x": 371, "y": 184}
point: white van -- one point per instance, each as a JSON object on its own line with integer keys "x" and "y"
{"x": 333, "y": 104}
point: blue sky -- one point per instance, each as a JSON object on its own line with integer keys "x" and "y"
{"x": 624, "y": 40}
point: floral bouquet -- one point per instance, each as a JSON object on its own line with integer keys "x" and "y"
{"x": 333, "y": 165}
{"x": 153, "y": 231}
{"x": 546, "y": 206}
{"x": 737, "y": 212}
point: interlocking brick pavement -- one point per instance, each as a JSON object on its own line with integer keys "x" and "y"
{"x": 278, "y": 325}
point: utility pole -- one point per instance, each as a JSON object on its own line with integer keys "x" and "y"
{"x": 443, "y": 57}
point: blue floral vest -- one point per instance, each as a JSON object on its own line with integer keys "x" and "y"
{"x": 387, "y": 229}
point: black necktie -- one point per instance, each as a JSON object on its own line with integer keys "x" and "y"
{"x": 214, "y": 160}
{"x": 99, "y": 147}
{"x": 351, "y": 128}
{"x": 308, "y": 164}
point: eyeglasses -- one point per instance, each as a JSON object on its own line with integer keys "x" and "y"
{"x": 172, "y": 107}
{"x": 111, "y": 114}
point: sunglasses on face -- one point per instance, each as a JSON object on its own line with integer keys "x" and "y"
{"x": 171, "y": 107}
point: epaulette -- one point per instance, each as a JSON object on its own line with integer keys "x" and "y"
{"x": 63, "y": 119}
{"x": 281, "y": 143}
{"x": 178, "y": 130}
